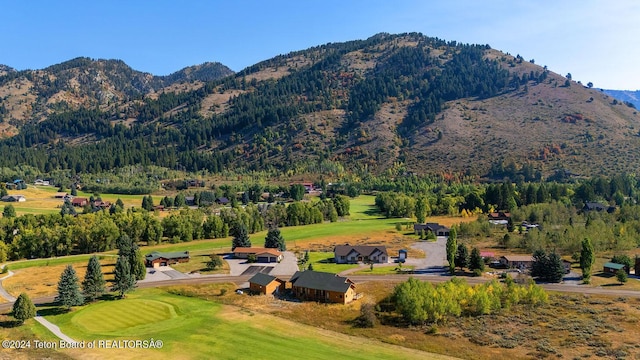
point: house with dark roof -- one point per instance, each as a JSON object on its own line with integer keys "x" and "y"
{"x": 157, "y": 259}
{"x": 348, "y": 254}
{"x": 266, "y": 284}
{"x": 222, "y": 201}
{"x": 263, "y": 255}
{"x": 435, "y": 228}
{"x": 499, "y": 216}
{"x": 596, "y": 206}
{"x": 517, "y": 261}
{"x": 14, "y": 198}
{"x": 322, "y": 287}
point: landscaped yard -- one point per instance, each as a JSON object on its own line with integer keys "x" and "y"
{"x": 193, "y": 328}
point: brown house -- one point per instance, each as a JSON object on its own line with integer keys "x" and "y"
{"x": 266, "y": 284}
{"x": 612, "y": 268}
{"x": 263, "y": 255}
{"x": 322, "y": 287}
{"x": 500, "y": 215}
{"x": 157, "y": 259}
{"x": 79, "y": 202}
{"x": 435, "y": 228}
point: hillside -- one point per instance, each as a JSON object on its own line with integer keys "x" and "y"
{"x": 632, "y": 97}
{"x": 110, "y": 85}
{"x": 366, "y": 105}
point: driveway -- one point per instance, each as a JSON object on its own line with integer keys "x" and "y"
{"x": 436, "y": 256}
{"x": 162, "y": 273}
{"x": 238, "y": 267}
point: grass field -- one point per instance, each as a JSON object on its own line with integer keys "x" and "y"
{"x": 192, "y": 328}
{"x": 322, "y": 261}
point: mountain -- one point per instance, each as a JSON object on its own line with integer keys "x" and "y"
{"x": 33, "y": 95}
{"x": 404, "y": 102}
{"x": 629, "y": 96}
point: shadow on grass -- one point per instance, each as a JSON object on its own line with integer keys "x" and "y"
{"x": 58, "y": 310}
{"x": 10, "y": 324}
{"x": 612, "y": 285}
{"x": 604, "y": 275}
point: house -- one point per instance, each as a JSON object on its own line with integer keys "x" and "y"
{"x": 637, "y": 267}
{"x": 567, "y": 266}
{"x": 263, "y": 255}
{"x": 157, "y": 259}
{"x": 41, "y": 182}
{"x": 347, "y": 254}
{"x": 222, "y": 201}
{"x": 101, "y": 204}
{"x": 322, "y": 287}
{"x": 517, "y": 261}
{"x": 266, "y": 284}
{"x": 402, "y": 255}
{"x": 487, "y": 256}
{"x": 499, "y": 216}
{"x": 595, "y": 206}
{"x": 79, "y": 202}
{"x": 60, "y": 195}
{"x": 529, "y": 226}
{"x": 435, "y": 228}
{"x": 190, "y": 200}
{"x": 14, "y": 198}
{"x": 308, "y": 186}
{"x": 612, "y": 268}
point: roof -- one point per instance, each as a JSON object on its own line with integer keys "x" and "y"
{"x": 518, "y": 258}
{"x": 613, "y": 265}
{"x": 79, "y": 200}
{"x": 433, "y": 227}
{"x": 364, "y": 250}
{"x": 167, "y": 255}
{"x": 499, "y": 215}
{"x": 256, "y": 250}
{"x": 263, "y": 279}
{"x": 487, "y": 254}
{"x": 321, "y": 281}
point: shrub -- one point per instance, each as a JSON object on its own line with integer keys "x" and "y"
{"x": 621, "y": 275}
{"x": 367, "y": 318}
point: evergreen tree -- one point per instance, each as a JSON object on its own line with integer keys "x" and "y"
{"x": 275, "y": 240}
{"x": 476, "y": 262}
{"x": 93, "y": 285}
{"x": 124, "y": 281}
{"x": 587, "y": 258}
{"x": 462, "y": 256}
{"x": 240, "y": 237}
{"x": 9, "y": 211}
{"x": 69, "y": 293}
{"x": 452, "y": 246}
{"x": 23, "y": 308}
{"x": 555, "y": 268}
{"x": 147, "y": 203}
{"x": 67, "y": 209}
{"x": 538, "y": 268}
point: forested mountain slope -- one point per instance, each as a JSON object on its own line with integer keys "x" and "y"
{"x": 366, "y": 105}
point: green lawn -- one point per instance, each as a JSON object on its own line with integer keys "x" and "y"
{"x": 322, "y": 261}
{"x": 192, "y": 328}
{"x": 382, "y": 270}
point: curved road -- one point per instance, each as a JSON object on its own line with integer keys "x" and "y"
{"x": 580, "y": 289}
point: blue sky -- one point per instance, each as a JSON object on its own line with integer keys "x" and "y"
{"x": 594, "y": 40}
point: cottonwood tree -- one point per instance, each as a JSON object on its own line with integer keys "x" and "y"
{"x": 23, "y": 308}
{"x": 587, "y": 258}
{"x": 275, "y": 240}
{"x": 215, "y": 262}
{"x": 69, "y": 293}
{"x": 124, "y": 281}
{"x": 93, "y": 285}
{"x": 452, "y": 246}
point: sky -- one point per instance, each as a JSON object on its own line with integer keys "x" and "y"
{"x": 596, "y": 41}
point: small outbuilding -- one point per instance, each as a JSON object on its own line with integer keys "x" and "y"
{"x": 612, "y": 268}
{"x": 266, "y": 284}
{"x": 402, "y": 255}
